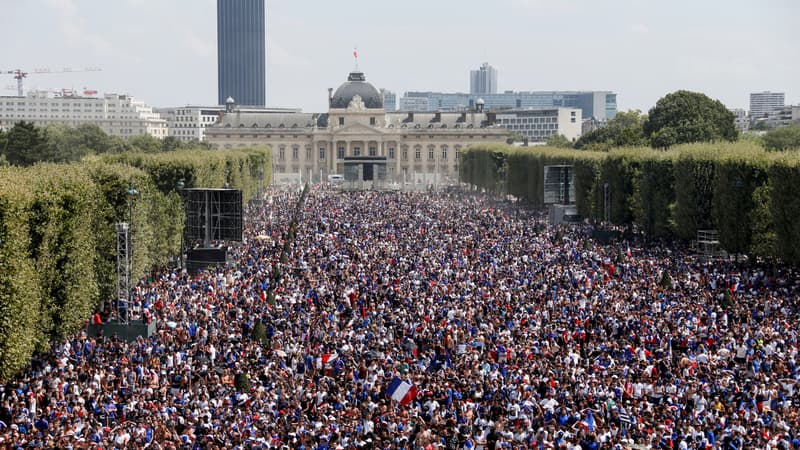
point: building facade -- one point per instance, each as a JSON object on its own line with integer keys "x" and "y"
{"x": 117, "y": 115}
{"x": 783, "y": 116}
{"x": 389, "y": 100}
{"x": 538, "y": 125}
{"x": 189, "y": 123}
{"x": 412, "y": 103}
{"x": 415, "y": 147}
{"x": 741, "y": 119}
{"x": 483, "y": 81}
{"x": 762, "y": 103}
{"x": 241, "y": 52}
{"x": 600, "y": 105}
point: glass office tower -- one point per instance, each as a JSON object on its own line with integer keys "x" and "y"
{"x": 241, "y": 52}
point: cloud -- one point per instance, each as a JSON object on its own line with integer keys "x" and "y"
{"x": 74, "y": 30}
{"x": 638, "y": 28}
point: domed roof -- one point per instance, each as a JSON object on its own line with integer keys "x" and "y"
{"x": 356, "y": 84}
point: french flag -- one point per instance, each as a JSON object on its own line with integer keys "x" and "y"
{"x": 401, "y": 391}
{"x": 326, "y": 360}
{"x": 588, "y": 422}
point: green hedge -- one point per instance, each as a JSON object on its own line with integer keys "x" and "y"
{"x": 58, "y": 239}
{"x": 202, "y": 168}
{"x": 20, "y": 288}
{"x": 747, "y": 194}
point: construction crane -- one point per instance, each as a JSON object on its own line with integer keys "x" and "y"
{"x": 20, "y": 74}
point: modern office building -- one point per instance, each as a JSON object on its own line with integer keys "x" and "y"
{"x": 389, "y": 100}
{"x": 537, "y": 125}
{"x": 241, "y": 52}
{"x": 357, "y": 132}
{"x": 741, "y": 119}
{"x": 483, "y": 81}
{"x": 783, "y": 116}
{"x": 762, "y": 103}
{"x": 190, "y": 122}
{"x": 600, "y": 105}
{"x": 411, "y": 103}
{"x": 117, "y": 115}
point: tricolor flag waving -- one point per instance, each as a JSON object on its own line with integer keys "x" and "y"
{"x": 401, "y": 391}
{"x": 326, "y": 360}
{"x": 588, "y": 421}
{"x": 629, "y": 251}
{"x": 355, "y": 53}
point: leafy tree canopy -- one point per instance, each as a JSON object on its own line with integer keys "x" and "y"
{"x": 24, "y": 144}
{"x": 559, "y": 140}
{"x": 146, "y": 144}
{"x": 684, "y": 117}
{"x": 624, "y": 130}
{"x": 786, "y": 138}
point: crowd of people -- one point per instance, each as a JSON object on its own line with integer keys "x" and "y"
{"x": 504, "y": 332}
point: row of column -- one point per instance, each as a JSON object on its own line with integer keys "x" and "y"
{"x": 331, "y": 147}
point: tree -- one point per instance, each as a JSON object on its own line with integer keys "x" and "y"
{"x": 62, "y": 144}
{"x": 559, "y": 140}
{"x": 198, "y": 144}
{"x": 171, "y": 143}
{"x": 684, "y": 116}
{"x": 515, "y": 136}
{"x": 93, "y": 138}
{"x": 24, "y": 144}
{"x": 146, "y": 144}
{"x": 624, "y": 130}
{"x": 786, "y": 138}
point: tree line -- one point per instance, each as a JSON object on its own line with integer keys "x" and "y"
{"x": 745, "y": 192}
{"x": 57, "y": 234}
{"x": 25, "y": 143}
{"x": 681, "y": 117}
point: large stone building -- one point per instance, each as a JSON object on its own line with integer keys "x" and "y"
{"x": 538, "y": 125}
{"x": 356, "y": 137}
{"x": 189, "y": 123}
{"x": 117, "y": 115}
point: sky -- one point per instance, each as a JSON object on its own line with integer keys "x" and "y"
{"x": 164, "y": 51}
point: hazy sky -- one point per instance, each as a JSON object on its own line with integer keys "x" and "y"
{"x": 164, "y": 51}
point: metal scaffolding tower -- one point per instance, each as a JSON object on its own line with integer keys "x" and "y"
{"x": 123, "y": 272}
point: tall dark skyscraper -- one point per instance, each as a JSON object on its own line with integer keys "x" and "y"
{"x": 241, "y": 52}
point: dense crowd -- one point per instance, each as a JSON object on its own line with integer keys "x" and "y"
{"x": 512, "y": 334}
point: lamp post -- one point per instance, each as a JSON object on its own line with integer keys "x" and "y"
{"x": 180, "y": 185}
{"x": 132, "y": 195}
